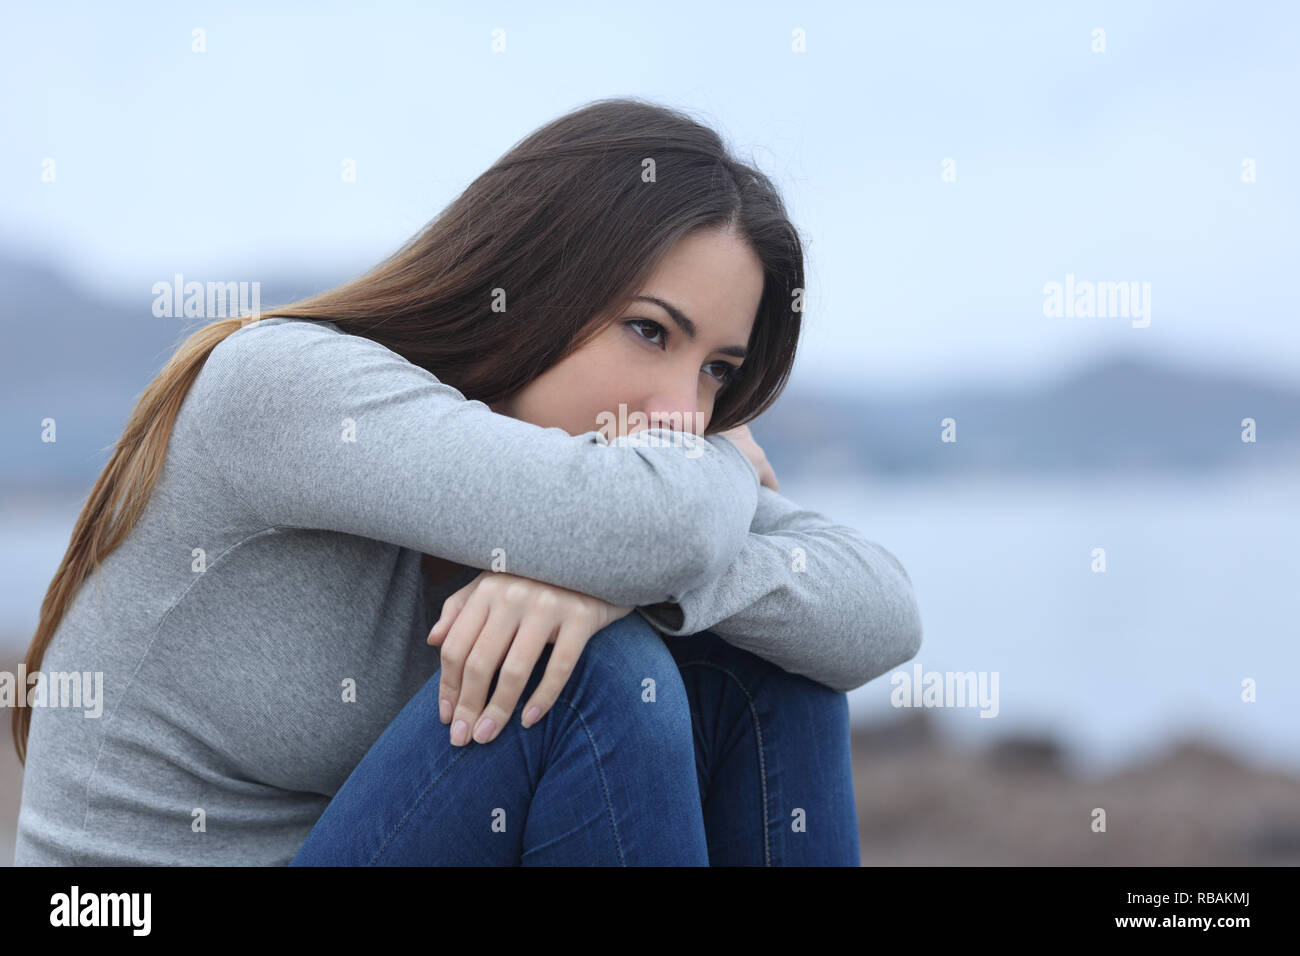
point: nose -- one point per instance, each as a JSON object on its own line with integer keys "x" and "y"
{"x": 676, "y": 409}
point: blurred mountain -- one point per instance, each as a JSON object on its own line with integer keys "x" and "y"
{"x": 1117, "y": 414}
{"x": 83, "y": 361}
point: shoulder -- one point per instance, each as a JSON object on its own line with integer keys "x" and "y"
{"x": 298, "y": 355}
{"x": 280, "y": 377}
{"x": 276, "y": 335}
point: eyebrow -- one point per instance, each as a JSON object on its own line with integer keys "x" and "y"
{"x": 687, "y": 326}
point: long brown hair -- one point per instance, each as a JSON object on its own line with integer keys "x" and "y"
{"x": 567, "y": 224}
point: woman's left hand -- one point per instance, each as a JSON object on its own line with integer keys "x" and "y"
{"x": 500, "y": 616}
{"x": 743, "y": 440}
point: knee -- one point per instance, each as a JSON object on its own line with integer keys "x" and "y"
{"x": 820, "y": 707}
{"x": 627, "y": 667}
{"x": 760, "y": 678}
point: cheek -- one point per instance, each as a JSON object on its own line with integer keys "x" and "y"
{"x": 600, "y": 381}
{"x": 573, "y": 393}
{"x": 571, "y": 398}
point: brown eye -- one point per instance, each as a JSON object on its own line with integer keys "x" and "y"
{"x": 655, "y": 325}
{"x": 729, "y": 372}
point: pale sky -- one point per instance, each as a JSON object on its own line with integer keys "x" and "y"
{"x": 1122, "y": 165}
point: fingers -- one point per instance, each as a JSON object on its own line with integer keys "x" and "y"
{"x": 511, "y": 621}
{"x": 766, "y": 475}
{"x": 445, "y": 620}
{"x": 450, "y": 608}
{"x": 743, "y": 440}
{"x": 574, "y": 633}
{"x": 534, "y": 634}
{"x": 494, "y": 639}
{"x": 456, "y": 646}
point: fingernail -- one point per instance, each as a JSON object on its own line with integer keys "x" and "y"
{"x": 444, "y": 710}
{"x": 484, "y": 731}
{"x": 459, "y": 733}
{"x": 531, "y": 716}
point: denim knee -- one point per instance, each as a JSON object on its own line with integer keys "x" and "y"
{"x": 750, "y": 672}
{"x": 821, "y": 706}
{"x": 831, "y": 703}
{"x": 632, "y": 670}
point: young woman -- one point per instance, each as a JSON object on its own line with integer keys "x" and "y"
{"x": 303, "y": 503}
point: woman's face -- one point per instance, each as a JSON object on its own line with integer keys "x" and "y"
{"x": 645, "y": 359}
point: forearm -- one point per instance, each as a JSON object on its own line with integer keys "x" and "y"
{"x": 422, "y": 467}
{"x": 813, "y": 597}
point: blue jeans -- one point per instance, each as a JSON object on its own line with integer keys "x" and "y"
{"x": 660, "y": 751}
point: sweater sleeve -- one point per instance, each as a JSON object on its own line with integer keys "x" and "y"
{"x": 811, "y": 596}
{"x": 315, "y": 428}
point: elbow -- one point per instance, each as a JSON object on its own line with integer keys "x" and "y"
{"x": 901, "y": 640}
{"x": 908, "y": 629}
{"x": 895, "y": 641}
{"x": 908, "y": 638}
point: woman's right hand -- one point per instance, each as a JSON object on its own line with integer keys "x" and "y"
{"x": 503, "y": 616}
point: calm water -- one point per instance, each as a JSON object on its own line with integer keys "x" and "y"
{"x": 1202, "y": 590}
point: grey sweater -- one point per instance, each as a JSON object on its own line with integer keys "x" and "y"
{"x": 265, "y": 619}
